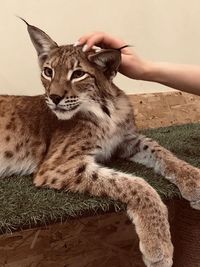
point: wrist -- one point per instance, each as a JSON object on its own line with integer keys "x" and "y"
{"x": 149, "y": 71}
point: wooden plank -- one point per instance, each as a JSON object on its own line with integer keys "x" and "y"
{"x": 104, "y": 240}
{"x": 165, "y": 109}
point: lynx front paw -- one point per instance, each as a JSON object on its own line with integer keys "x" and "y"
{"x": 40, "y": 181}
{"x": 165, "y": 261}
{"x": 189, "y": 185}
{"x": 158, "y": 255}
{"x": 195, "y": 204}
{"x": 152, "y": 227}
{"x": 51, "y": 182}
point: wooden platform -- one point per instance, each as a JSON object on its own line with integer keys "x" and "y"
{"x": 103, "y": 240}
{"x": 165, "y": 109}
{"x": 109, "y": 240}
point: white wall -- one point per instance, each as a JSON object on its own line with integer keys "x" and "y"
{"x": 166, "y": 30}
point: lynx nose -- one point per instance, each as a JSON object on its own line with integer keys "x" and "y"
{"x": 56, "y": 98}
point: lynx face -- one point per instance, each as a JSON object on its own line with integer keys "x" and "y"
{"x": 74, "y": 81}
{"x": 70, "y": 82}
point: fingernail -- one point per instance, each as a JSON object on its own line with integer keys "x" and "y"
{"x": 85, "y": 48}
{"x": 76, "y": 43}
{"x": 96, "y": 48}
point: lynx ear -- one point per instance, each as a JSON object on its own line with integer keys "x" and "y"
{"x": 41, "y": 41}
{"x": 107, "y": 60}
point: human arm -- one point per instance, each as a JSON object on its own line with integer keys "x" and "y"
{"x": 178, "y": 76}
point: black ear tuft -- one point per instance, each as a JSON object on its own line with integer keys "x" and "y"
{"x": 41, "y": 41}
{"x": 107, "y": 60}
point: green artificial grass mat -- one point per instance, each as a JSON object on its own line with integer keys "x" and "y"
{"x": 23, "y": 206}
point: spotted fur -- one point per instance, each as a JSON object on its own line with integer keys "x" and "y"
{"x": 64, "y": 136}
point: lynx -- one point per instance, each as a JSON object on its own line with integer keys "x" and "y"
{"x": 64, "y": 136}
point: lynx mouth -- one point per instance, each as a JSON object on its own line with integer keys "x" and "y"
{"x": 63, "y": 109}
{"x": 66, "y": 108}
{"x": 66, "y": 112}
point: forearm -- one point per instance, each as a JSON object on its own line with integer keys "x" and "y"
{"x": 182, "y": 77}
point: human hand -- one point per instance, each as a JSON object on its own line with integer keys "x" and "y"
{"x": 131, "y": 66}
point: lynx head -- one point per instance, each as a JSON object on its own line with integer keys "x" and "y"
{"x": 75, "y": 81}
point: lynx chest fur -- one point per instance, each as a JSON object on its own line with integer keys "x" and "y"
{"x": 81, "y": 121}
{"x": 31, "y": 132}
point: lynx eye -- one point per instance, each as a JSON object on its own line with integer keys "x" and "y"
{"x": 48, "y": 72}
{"x": 77, "y": 74}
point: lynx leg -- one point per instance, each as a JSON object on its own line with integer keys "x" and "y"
{"x": 144, "y": 205}
{"x": 149, "y": 153}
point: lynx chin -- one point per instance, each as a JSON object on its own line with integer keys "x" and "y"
{"x": 64, "y": 136}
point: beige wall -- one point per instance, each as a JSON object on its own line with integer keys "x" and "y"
{"x": 166, "y": 30}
